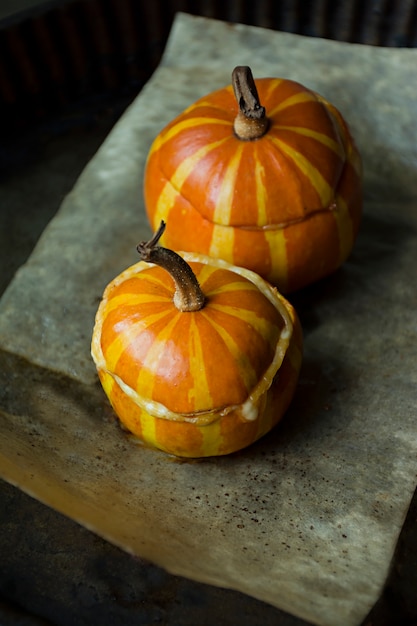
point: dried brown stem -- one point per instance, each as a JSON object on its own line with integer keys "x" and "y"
{"x": 188, "y": 294}
{"x": 251, "y": 121}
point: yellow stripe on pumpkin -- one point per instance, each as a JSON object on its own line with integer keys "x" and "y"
{"x": 125, "y": 339}
{"x": 344, "y": 228}
{"x": 146, "y": 377}
{"x": 355, "y": 160}
{"x": 228, "y": 287}
{"x": 224, "y": 201}
{"x": 275, "y": 238}
{"x": 199, "y": 395}
{"x": 246, "y": 371}
{"x": 203, "y": 272}
{"x": 320, "y": 137}
{"x": 260, "y": 193}
{"x": 298, "y": 98}
{"x": 211, "y": 438}
{"x": 107, "y": 382}
{"x": 172, "y": 188}
{"x": 261, "y": 325}
{"x": 272, "y": 85}
{"x": 165, "y": 202}
{"x": 319, "y": 183}
{"x": 132, "y": 300}
{"x": 222, "y": 241}
{"x": 156, "y": 144}
{"x": 185, "y": 125}
{"x": 148, "y": 428}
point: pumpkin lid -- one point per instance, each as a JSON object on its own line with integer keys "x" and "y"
{"x": 291, "y": 171}
{"x": 187, "y": 365}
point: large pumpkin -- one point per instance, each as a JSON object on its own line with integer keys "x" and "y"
{"x": 197, "y": 357}
{"x": 274, "y": 187}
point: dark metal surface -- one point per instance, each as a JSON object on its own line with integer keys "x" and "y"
{"x": 68, "y": 51}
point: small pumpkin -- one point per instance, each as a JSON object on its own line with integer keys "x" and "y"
{"x": 275, "y": 187}
{"x": 197, "y": 357}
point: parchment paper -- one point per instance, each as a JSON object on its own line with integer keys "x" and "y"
{"x": 306, "y": 519}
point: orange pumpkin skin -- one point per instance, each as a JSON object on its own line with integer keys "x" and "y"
{"x": 201, "y": 383}
{"x": 287, "y": 205}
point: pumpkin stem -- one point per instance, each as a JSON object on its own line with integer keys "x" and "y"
{"x": 188, "y": 294}
{"x": 251, "y": 121}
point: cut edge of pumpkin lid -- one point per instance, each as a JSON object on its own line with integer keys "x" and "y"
{"x": 249, "y": 408}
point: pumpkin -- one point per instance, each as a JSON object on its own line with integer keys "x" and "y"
{"x": 274, "y": 187}
{"x": 197, "y": 357}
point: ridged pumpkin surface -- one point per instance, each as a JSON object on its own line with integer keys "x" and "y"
{"x": 199, "y": 383}
{"x": 287, "y": 205}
